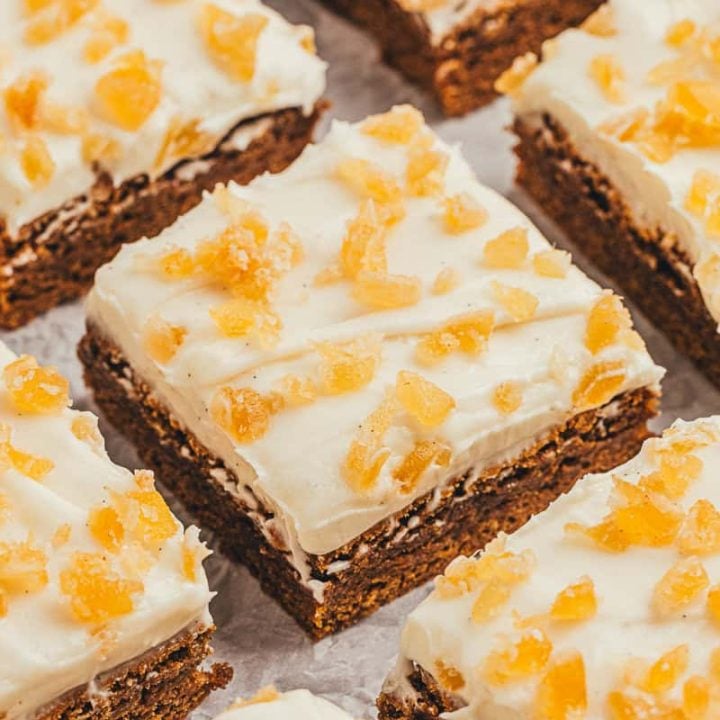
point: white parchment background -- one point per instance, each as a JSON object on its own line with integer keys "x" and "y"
{"x": 264, "y": 644}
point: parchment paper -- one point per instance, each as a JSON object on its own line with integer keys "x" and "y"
{"x": 260, "y": 640}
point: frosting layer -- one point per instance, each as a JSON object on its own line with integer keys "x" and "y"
{"x": 135, "y": 85}
{"x": 403, "y": 339}
{"x": 603, "y": 606}
{"x": 270, "y": 705}
{"x": 635, "y": 92}
{"x": 94, "y": 569}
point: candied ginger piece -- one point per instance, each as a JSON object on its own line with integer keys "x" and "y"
{"x": 462, "y": 213}
{"x": 626, "y": 127}
{"x": 183, "y": 139}
{"x": 297, "y": 391}
{"x": 599, "y": 384}
{"x": 507, "y": 397}
{"x": 679, "y": 587}
{"x": 34, "y": 389}
{"x": 371, "y": 181}
{"x": 601, "y": 22}
{"x": 562, "y": 693}
{"x": 696, "y": 698}
{"x": 606, "y": 321}
{"x": 232, "y": 40}
{"x": 152, "y": 522}
{"x": 97, "y": 148}
{"x": 348, "y": 367}
{"x": 401, "y": 125}
{"x": 664, "y": 673}
{"x": 519, "y": 304}
{"x": 551, "y": 263}
{"x": 380, "y": 291}
{"x": 446, "y": 281}
{"x": 424, "y": 454}
{"x": 449, "y": 677}
{"x": 64, "y": 120}
{"x": 190, "y": 557}
{"x": 23, "y": 568}
{"x": 700, "y": 532}
{"x": 713, "y": 604}
{"x": 36, "y": 162}
{"x": 680, "y": 32}
{"x": 242, "y": 412}
{"x": 576, "y": 602}
{"x": 106, "y": 528}
{"x": 32, "y": 466}
{"x": 108, "y": 33}
{"x": 467, "y": 333}
{"x": 162, "y": 340}
{"x": 512, "y": 80}
{"x": 423, "y": 400}
{"x": 363, "y": 247}
{"x": 508, "y": 251}
{"x": 61, "y": 536}
{"x": 623, "y": 706}
{"x": 23, "y": 101}
{"x": 128, "y": 94}
{"x": 677, "y": 469}
{"x": 609, "y": 75}
{"x": 498, "y": 575}
{"x": 176, "y": 264}
{"x": 240, "y": 317}
{"x": 56, "y": 18}
{"x": 517, "y": 661}
{"x": 425, "y": 173}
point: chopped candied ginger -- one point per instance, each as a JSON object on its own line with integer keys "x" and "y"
{"x": 498, "y": 577}
{"x": 421, "y": 5}
{"x": 148, "y": 516}
{"x": 609, "y": 75}
{"x": 128, "y": 94}
{"x": 34, "y": 389}
{"x": 370, "y": 181}
{"x": 446, "y": 281}
{"x": 551, "y": 263}
{"x": 61, "y": 536}
{"x": 23, "y": 568}
{"x": 703, "y": 200}
{"x": 32, "y": 466}
{"x": 700, "y": 532}
{"x": 462, "y": 213}
{"x": 626, "y": 706}
{"x": 449, "y": 677}
{"x": 241, "y": 317}
{"x": 665, "y": 672}
{"x": 232, "y": 40}
{"x": 696, "y": 698}
{"x": 424, "y": 454}
{"x": 601, "y": 22}
{"x": 508, "y": 251}
{"x": 97, "y": 148}
{"x": 24, "y": 101}
{"x": 190, "y": 557}
{"x": 297, "y": 391}
{"x": 36, "y": 162}
{"x": 183, "y": 139}
{"x": 628, "y": 126}
{"x": 562, "y": 692}
{"x": 678, "y": 467}
{"x": 680, "y": 32}
{"x": 162, "y": 339}
{"x": 64, "y": 120}
{"x": 576, "y": 602}
{"x": 507, "y": 397}
{"x": 242, "y": 412}
{"x": 425, "y": 174}
{"x": 713, "y": 604}
{"x": 599, "y": 384}
{"x": 51, "y": 19}
{"x": 517, "y": 661}
{"x": 423, "y": 400}
{"x": 348, "y": 367}
{"x": 607, "y": 320}
{"x": 106, "y": 528}
{"x": 467, "y": 333}
{"x": 177, "y": 264}
{"x": 96, "y": 593}
{"x": 108, "y": 32}
{"x": 381, "y": 291}
{"x": 679, "y": 587}
{"x": 363, "y": 247}
{"x": 519, "y": 304}
{"x": 401, "y": 125}
{"x": 512, "y": 80}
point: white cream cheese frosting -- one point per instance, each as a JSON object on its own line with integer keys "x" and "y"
{"x": 198, "y": 89}
{"x": 652, "y": 49}
{"x": 149, "y": 585}
{"x": 271, "y": 705}
{"x": 490, "y": 404}
{"x": 586, "y": 631}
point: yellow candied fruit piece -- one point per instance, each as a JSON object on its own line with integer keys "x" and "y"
{"x": 677, "y": 469}
{"x": 348, "y": 367}
{"x": 63, "y": 120}
{"x": 551, "y": 263}
{"x": 468, "y": 333}
{"x": 264, "y": 695}
{"x": 462, "y": 213}
{"x": 23, "y": 568}
{"x": 609, "y": 75}
{"x": 23, "y": 101}
{"x": 425, "y": 174}
{"x": 421, "y": 5}
{"x": 366, "y": 456}
{"x": 664, "y": 673}
{"x": 508, "y": 251}
{"x": 599, "y": 384}
{"x": 713, "y": 604}
{"x": 519, "y": 304}
{"x": 97, "y": 147}
{"x": 183, "y": 138}
{"x": 189, "y": 559}
{"x": 700, "y": 532}
{"x": 423, "y": 400}
{"x": 696, "y": 698}
{"x": 507, "y": 397}
{"x": 512, "y": 80}
{"x": 446, "y": 281}
{"x": 562, "y": 693}
{"x": 107, "y": 34}
{"x": 622, "y": 706}
{"x": 61, "y": 536}
{"x": 520, "y": 660}
{"x": 704, "y": 194}
{"x": 370, "y": 181}
{"x": 401, "y": 125}
{"x": 36, "y": 162}
{"x": 32, "y": 466}
{"x": 601, "y": 22}
{"x": 57, "y": 17}
{"x": 380, "y": 291}
{"x": 177, "y": 264}
{"x": 162, "y": 339}
{"x": 490, "y": 600}
{"x": 679, "y": 587}
{"x": 232, "y": 40}
{"x": 106, "y": 528}
{"x": 715, "y": 665}
{"x": 424, "y": 454}
{"x": 34, "y": 389}
{"x": 363, "y": 247}
{"x": 680, "y": 32}
{"x": 240, "y": 317}
{"x": 628, "y": 126}
{"x": 449, "y": 677}
{"x": 97, "y": 594}
{"x": 576, "y": 602}
{"x": 242, "y": 412}
{"x": 608, "y": 318}
{"x": 128, "y": 94}
{"x": 153, "y": 521}
{"x": 297, "y": 391}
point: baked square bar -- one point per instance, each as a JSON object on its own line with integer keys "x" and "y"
{"x": 115, "y": 117}
{"x": 355, "y": 368}
{"x": 605, "y": 606}
{"x": 269, "y": 704}
{"x": 457, "y": 49}
{"x": 619, "y": 142}
{"x": 103, "y": 598}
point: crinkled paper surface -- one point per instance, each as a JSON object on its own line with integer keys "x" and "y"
{"x": 254, "y": 635}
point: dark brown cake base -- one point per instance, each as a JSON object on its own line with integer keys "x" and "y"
{"x": 462, "y": 69}
{"x": 167, "y": 682}
{"x": 394, "y": 556}
{"x": 54, "y": 258}
{"x": 426, "y": 700}
{"x": 647, "y": 263}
